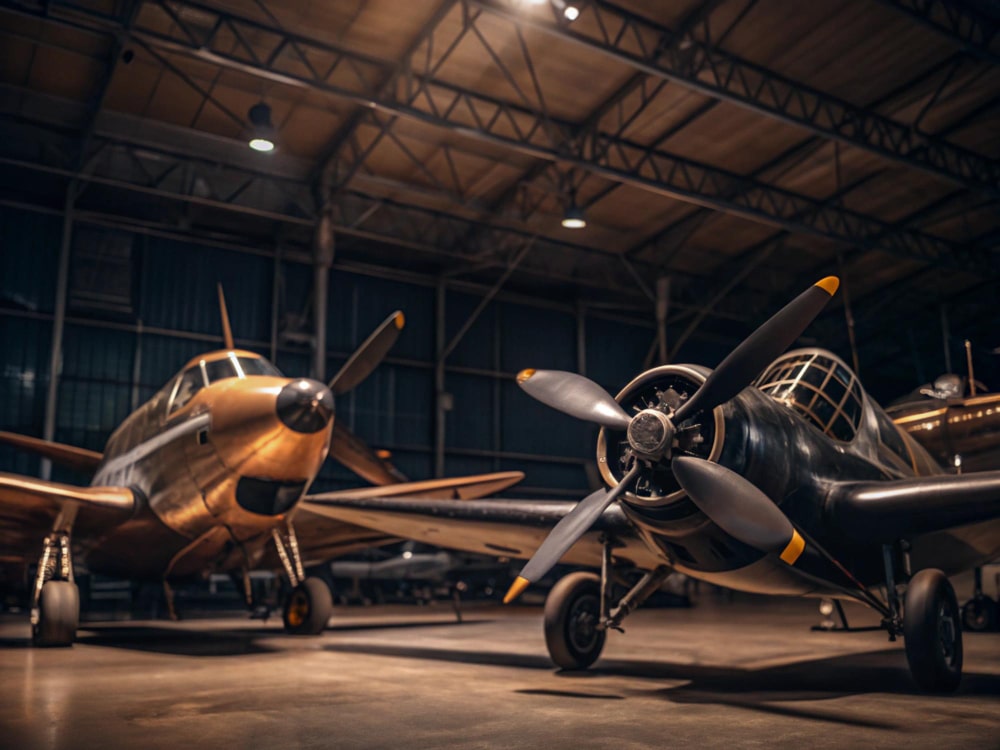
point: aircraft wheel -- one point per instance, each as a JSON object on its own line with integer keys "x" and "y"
{"x": 58, "y": 614}
{"x": 979, "y": 614}
{"x": 308, "y": 607}
{"x": 572, "y": 611}
{"x": 932, "y": 631}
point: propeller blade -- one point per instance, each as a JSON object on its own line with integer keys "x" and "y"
{"x": 738, "y": 507}
{"x": 565, "y": 534}
{"x": 357, "y": 455}
{"x": 368, "y": 356}
{"x": 759, "y": 349}
{"x": 574, "y": 395}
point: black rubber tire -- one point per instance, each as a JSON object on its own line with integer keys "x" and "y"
{"x": 308, "y": 607}
{"x": 572, "y": 610}
{"x": 932, "y": 629}
{"x": 979, "y": 615}
{"x": 58, "y": 614}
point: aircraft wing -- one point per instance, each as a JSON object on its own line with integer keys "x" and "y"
{"x": 323, "y": 536}
{"x": 508, "y": 528}
{"x": 884, "y": 511}
{"x": 460, "y": 488}
{"x": 29, "y": 507}
{"x": 69, "y": 456}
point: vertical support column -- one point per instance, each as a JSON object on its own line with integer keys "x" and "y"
{"x": 581, "y": 337}
{"x": 322, "y": 263}
{"x": 275, "y": 301}
{"x": 440, "y": 414}
{"x": 497, "y": 390}
{"x": 58, "y": 324}
{"x": 945, "y": 336}
{"x": 662, "y": 309}
{"x": 136, "y": 366}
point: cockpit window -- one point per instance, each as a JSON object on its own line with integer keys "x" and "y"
{"x": 220, "y": 369}
{"x": 233, "y": 366}
{"x": 258, "y": 366}
{"x": 190, "y": 383}
{"x": 820, "y": 388}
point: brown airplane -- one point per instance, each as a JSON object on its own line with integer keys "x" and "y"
{"x": 208, "y": 476}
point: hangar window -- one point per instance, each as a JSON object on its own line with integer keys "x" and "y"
{"x": 819, "y": 387}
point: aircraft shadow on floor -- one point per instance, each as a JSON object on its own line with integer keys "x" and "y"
{"x": 882, "y": 671}
{"x": 210, "y": 643}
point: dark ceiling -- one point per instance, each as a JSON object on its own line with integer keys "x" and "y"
{"x": 742, "y": 148}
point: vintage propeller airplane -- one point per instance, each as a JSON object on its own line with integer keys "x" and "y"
{"x": 798, "y": 486}
{"x": 201, "y": 479}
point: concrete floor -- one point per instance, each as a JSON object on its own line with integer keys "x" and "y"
{"x": 718, "y": 675}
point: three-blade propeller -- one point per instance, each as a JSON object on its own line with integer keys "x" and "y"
{"x": 735, "y": 504}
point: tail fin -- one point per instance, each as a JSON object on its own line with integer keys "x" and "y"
{"x": 227, "y": 332}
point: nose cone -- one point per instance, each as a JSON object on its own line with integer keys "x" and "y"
{"x": 305, "y": 405}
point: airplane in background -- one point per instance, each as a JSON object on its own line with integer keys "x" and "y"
{"x": 801, "y": 485}
{"x": 957, "y": 419}
{"x": 201, "y": 479}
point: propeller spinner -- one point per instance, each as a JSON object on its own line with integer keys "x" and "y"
{"x": 727, "y": 498}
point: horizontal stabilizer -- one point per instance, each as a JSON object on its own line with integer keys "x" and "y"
{"x": 69, "y": 456}
{"x": 460, "y": 488}
{"x": 870, "y": 511}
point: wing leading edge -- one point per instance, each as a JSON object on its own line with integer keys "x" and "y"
{"x": 508, "y": 528}
{"x": 872, "y": 511}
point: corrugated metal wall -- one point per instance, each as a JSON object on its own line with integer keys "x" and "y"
{"x": 111, "y": 362}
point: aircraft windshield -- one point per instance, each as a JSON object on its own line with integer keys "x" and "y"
{"x": 238, "y": 367}
{"x": 819, "y": 387}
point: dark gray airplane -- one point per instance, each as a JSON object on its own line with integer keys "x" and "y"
{"x": 801, "y": 485}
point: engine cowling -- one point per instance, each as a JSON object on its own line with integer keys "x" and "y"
{"x": 661, "y": 390}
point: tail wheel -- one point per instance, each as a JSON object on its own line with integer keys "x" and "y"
{"x": 933, "y": 632}
{"x": 308, "y": 607}
{"x": 572, "y": 617}
{"x": 979, "y": 614}
{"x": 58, "y": 614}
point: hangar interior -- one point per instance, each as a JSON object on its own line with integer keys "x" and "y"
{"x": 725, "y": 155}
{"x": 579, "y": 185}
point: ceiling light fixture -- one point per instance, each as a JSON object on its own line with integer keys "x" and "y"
{"x": 262, "y": 135}
{"x": 571, "y": 12}
{"x": 574, "y": 218}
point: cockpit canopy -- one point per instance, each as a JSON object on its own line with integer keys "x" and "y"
{"x": 819, "y": 387}
{"x": 216, "y": 366}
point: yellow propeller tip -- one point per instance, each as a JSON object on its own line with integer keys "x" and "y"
{"x": 524, "y": 375}
{"x": 830, "y": 285}
{"x": 400, "y": 321}
{"x": 516, "y": 589}
{"x": 794, "y": 549}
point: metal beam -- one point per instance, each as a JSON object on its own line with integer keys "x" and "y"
{"x": 631, "y": 39}
{"x": 976, "y": 33}
{"x": 532, "y": 132}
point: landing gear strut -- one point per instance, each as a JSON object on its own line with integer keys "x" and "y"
{"x": 577, "y": 616}
{"x": 55, "y": 604}
{"x": 309, "y": 604}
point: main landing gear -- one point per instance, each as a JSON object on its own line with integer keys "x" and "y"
{"x": 930, "y": 624}
{"x": 309, "y": 604}
{"x": 55, "y": 604}
{"x": 578, "y": 612}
